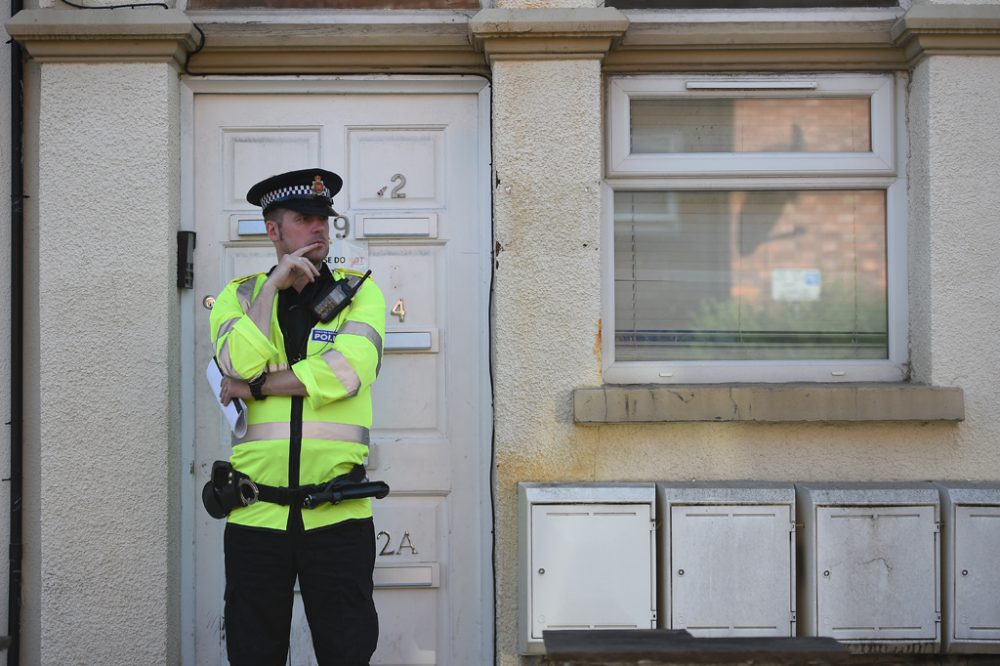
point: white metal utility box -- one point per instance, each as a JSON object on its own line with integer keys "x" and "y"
{"x": 587, "y": 558}
{"x": 971, "y": 571}
{"x": 727, "y": 558}
{"x": 870, "y": 570}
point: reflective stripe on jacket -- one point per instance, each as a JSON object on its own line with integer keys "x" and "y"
{"x": 343, "y": 358}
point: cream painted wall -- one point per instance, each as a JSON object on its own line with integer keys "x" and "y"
{"x": 546, "y": 138}
{"x": 955, "y": 199}
{"x": 547, "y": 145}
{"x": 108, "y": 363}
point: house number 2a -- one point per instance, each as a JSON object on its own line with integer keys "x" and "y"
{"x": 405, "y": 543}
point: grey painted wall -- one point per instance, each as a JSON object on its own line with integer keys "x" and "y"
{"x": 5, "y": 173}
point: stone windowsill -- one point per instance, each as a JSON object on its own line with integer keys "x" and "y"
{"x": 767, "y": 403}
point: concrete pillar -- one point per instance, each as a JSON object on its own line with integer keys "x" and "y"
{"x": 547, "y": 215}
{"x": 108, "y": 212}
{"x": 954, "y": 50}
{"x": 955, "y": 195}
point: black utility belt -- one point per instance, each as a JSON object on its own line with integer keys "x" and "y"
{"x": 230, "y": 489}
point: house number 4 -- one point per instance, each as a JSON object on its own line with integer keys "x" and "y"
{"x": 404, "y": 544}
{"x": 399, "y": 309}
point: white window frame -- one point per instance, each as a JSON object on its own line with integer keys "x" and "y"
{"x": 884, "y": 168}
{"x": 880, "y": 161}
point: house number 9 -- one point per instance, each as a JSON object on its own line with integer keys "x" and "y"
{"x": 404, "y": 544}
{"x": 397, "y": 192}
{"x": 342, "y": 226}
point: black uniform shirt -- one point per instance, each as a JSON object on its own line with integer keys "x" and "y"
{"x": 295, "y": 317}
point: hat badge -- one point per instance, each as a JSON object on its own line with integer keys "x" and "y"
{"x": 317, "y": 186}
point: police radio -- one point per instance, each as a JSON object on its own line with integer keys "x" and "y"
{"x": 336, "y": 296}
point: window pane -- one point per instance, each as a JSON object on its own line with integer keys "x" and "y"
{"x": 750, "y": 275}
{"x": 727, "y": 125}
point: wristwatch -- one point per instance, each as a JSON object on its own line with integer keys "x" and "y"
{"x": 256, "y": 384}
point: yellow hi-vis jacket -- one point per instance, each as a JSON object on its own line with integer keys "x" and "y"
{"x": 314, "y": 438}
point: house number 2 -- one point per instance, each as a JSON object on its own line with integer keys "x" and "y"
{"x": 397, "y": 192}
{"x": 404, "y": 543}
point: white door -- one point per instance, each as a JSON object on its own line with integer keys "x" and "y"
{"x": 415, "y": 162}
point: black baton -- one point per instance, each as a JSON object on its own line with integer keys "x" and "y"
{"x": 337, "y": 493}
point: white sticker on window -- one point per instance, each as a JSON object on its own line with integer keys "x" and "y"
{"x": 794, "y": 284}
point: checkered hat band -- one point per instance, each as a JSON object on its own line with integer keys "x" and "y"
{"x": 292, "y": 191}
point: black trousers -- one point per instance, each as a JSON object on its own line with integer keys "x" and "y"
{"x": 334, "y": 567}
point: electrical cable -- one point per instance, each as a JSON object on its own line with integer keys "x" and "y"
{"x": 187, "y": 61}
{"x": 494, "y": 182}
{"x": 133, "y": 5}
{"x": 15, "y": 549}
{"x": 128, "y": 6}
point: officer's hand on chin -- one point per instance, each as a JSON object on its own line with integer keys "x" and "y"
{"x": 293, "y": 266}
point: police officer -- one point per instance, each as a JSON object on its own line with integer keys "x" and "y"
{"x": 306, "y": 384}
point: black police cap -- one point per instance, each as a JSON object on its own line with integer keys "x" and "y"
{"x": 308, "y": 191}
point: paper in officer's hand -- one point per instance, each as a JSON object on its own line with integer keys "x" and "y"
{"x": 235, "y": 412}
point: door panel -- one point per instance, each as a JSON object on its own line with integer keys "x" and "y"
{"x": 414, "y": 177}
{"x": 251, "y": 155}
{"x": 374, "y": 151}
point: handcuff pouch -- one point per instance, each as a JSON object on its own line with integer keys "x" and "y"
{"x": 226, "y": 490}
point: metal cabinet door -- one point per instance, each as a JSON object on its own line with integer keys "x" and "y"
{"x": 976, "y": 575}
{"x": 732, "y": 570}
{"x": 591, "y": 567}
{"x": 876, "y": 572}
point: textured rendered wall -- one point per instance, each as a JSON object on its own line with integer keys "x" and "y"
{"x": 108, "y": 214}
{"x": 546, "y": 135}
{"x": 547, "y": 146}
{"x": 955, "y": 199}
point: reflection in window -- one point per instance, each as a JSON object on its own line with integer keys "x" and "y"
{"x": 754, "y": 274}
{"x": 757, "y": 125}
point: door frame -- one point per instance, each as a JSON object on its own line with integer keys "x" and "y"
{"x": 189, "y": 503}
